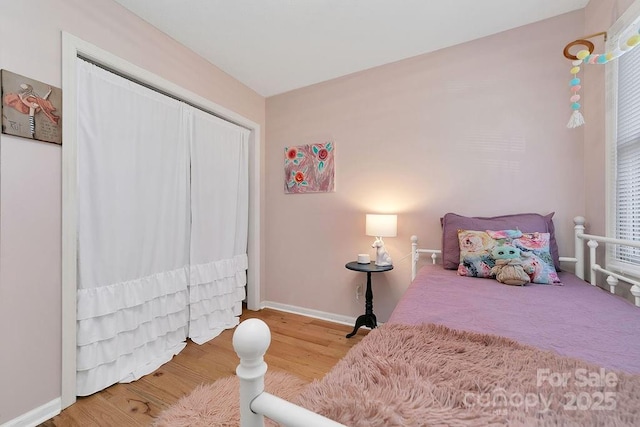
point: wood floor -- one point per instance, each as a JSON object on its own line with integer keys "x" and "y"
{"x": 306, "y": 347}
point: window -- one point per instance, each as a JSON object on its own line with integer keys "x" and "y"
{"x": 623, "y": 146}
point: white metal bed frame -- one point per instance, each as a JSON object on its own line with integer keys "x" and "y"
{"x": 252, "y": 338}
{"x": 578, "y": 259}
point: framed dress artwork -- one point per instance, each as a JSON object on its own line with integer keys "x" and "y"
{"x": 30, "y": 109}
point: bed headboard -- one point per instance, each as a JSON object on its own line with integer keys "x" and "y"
{"x": 415, "y": 255}
{"x": 578, "y": 259}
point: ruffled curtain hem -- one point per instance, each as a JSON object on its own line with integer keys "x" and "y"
{"x": 126, "y": 369}
{"x": 96, "y": 302}
{"x": 97, "y": 353}
{"x": 123, "y": 345}
{"x": 216, "y": 292}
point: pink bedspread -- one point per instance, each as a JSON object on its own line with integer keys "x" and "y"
{"x": 576, "y": 319}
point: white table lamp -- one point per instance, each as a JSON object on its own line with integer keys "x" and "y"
{"x": 381, "y": 226}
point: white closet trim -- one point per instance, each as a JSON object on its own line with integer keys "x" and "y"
{"x": 72, "y": 47}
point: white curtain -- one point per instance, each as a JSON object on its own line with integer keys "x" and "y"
{"x": 135, "y": 239}
{"x": 219, "y": 225}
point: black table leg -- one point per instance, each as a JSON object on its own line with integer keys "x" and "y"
{"x": 368, "y": 319}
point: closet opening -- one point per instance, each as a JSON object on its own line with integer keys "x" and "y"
{"x": 75, "y": 50}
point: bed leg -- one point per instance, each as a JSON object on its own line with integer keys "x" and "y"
{"x": 635, "y": 291}
{"x": 250, "y": 341}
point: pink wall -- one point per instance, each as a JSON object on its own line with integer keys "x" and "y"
{"x": 478, "y": 129}
{"x": 30, "y": 175}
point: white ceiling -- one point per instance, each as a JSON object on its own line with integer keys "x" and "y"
{"x": 274, "y": 46}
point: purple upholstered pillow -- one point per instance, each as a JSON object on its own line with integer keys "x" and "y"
{"x": 526, "y": 222}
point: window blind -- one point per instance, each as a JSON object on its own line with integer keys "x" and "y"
{"x": 628, "y": 156}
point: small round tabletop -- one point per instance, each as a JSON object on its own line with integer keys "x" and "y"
{"x": 367, "y": 268}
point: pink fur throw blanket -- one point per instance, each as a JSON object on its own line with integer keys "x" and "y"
{"x": 430, "y": 375}
{"x": 402, "y": 375}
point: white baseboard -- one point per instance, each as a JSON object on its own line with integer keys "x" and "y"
{"x": 316, "y": 314}
{"x": 36, "y": 416}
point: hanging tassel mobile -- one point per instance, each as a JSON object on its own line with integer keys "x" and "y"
{"x": 576, "y": 117}
{"x": 586, "y": 56}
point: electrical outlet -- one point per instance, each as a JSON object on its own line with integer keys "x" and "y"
{"x": 358, "y": 292}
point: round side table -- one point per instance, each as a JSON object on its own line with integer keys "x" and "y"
{"x": 368, "y": 319}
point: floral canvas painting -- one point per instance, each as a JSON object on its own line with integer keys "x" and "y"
{"x": 309, "y": 168}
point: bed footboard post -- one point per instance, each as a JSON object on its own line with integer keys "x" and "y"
{"x": 414, "y": 256}
{"x": 635, "y": 291}
{"x": 250, "y": 342}
{"x": 578, "y": 230}
{"x": 593, "y": 262}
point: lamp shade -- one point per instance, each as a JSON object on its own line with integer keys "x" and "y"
{"x": 382, "y": 225}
